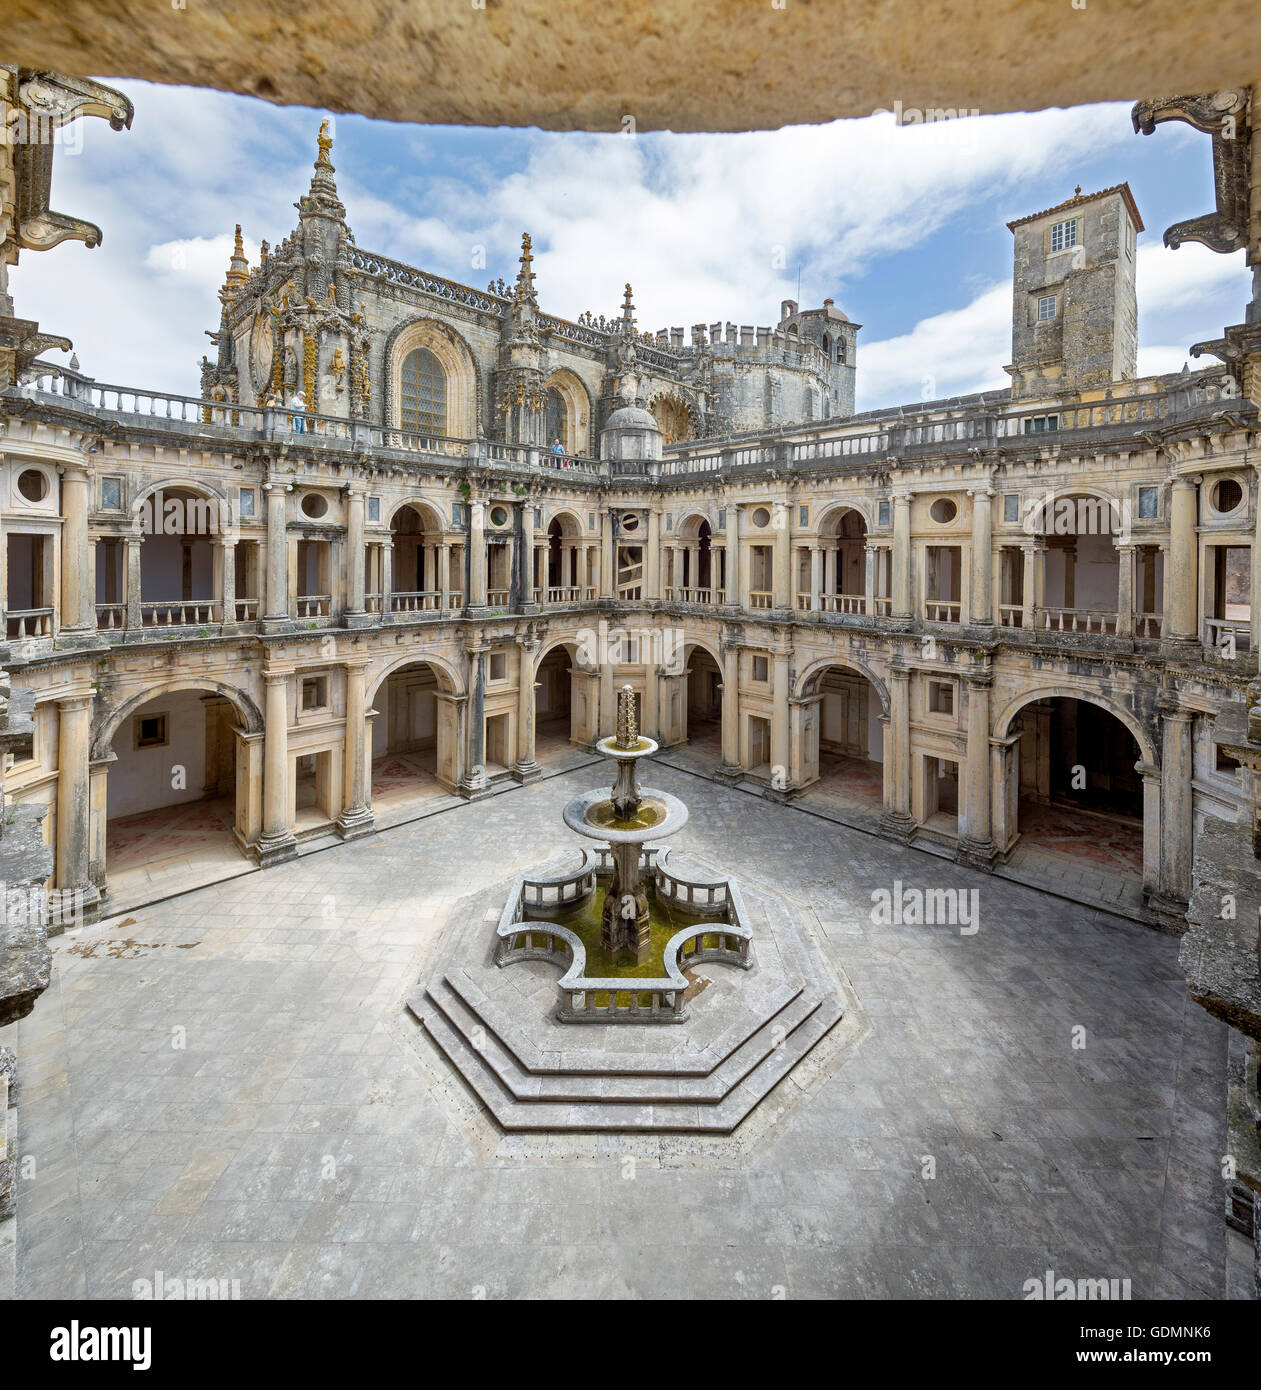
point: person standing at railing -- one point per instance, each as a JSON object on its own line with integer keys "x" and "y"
{"x": 558, "y": 452}
{"x": 298, "y": 402}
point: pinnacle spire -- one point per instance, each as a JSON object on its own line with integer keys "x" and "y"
{"x": 628, "y": 308}
{"x": 525, "y": 276}
{"x": 238, "y": 266}
{"x": 325, "y": 142}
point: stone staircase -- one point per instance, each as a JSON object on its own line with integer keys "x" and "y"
{"x": 704, "y": 1076}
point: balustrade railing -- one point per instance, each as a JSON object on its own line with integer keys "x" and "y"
{"x": 497, "y": 598}
{"x": 760, "y": 598}
{"x": 421, "y": 601}
{"x": 564, "y": 593}
{"x": 247, "y": 609}
{"x": 315, "y": 605}
{"x": 1227, "y": 636}
{"x": 1096, "y": 620}
{"x": 1148, "y": 624}
{"x": 1011, "y": 615}
{"x": 180, "y": 613}
{"x": 938, "y": 610}
{"x": 111, "y": 616}
{"x": 844, "y": 603}
{"x": 29, "y": 622}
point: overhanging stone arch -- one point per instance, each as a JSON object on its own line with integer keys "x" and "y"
{"x": 449, "y": 678}
{"x": 107, "y": 724}
{"x": 832, "y": 510}
{"x": 1063, "y": 690}
{"x": 197, "y": 486}
{"x": 808, "y": 683}
{"x": 463, "y": 378}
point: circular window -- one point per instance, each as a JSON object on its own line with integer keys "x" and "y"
{"x": 1227, "y": 495}
{"x": 499, "y": 516}
{"x": 630, "y": 521}
{"x": 943, "y": 510}
{"x": 761, "y": 517}
{"x": 314, "y": 506}
{"x": 33, "y": 485}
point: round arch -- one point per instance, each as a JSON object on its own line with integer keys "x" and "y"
{"x": 815, "y": 671}
{"x": 576, "y": 401}
{"x": 448, "y": 677}
{"x": 835, "y": 510}
{"x": 690, "y": 526}
{"x": 570, "y": 522}
{"x": 111, "y": 721}
{"x": 706, "y": 644}
{"x": 1036, "y": 522}
{"x": 420, "y": 506}
{"x": 457, "y": 361}
{"x": 196, "y": 486}
{"x": 1147, "y": 745}
{"x": 571, "y": 644}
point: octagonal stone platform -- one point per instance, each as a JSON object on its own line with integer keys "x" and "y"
{"x": 746, "y": 1033}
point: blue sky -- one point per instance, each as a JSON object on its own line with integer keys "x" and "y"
{"x": 903, "y": 227}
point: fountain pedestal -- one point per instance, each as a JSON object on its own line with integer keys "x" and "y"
{"x": 624, "y": 922}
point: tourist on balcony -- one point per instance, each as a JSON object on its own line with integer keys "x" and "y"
{"x": 558, "y": 453}
{"x": 298, "y": 402}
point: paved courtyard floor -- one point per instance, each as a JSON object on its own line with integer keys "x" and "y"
{"x": 227, "y": 1085}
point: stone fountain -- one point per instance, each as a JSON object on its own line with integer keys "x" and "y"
{"x": 625, "y": 820}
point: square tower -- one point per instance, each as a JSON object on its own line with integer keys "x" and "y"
{"x": 1074, "y": 321}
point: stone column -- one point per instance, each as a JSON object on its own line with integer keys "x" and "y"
{"x": 816, "y": 578}
{"x": 476, "y": 783}
{"x": 744, "y": 561}
{"x": 226, "y": 546}
{"x": 982, "y": 591}
{"x": 976, "y": 839}
{"x": 781, "y": 558}
{"x": 134, "y": 618}
{"x": 1181, "y": 587}
{"x": 1125, "y": 590}
{"x": 526, "y": 768}
{"x": 606, "y": 555}
{"x": 525, "y": 560}
{"x": 277, "y": 616}
{"x": 652, "y": 558}
{"x": 356, "y": 817}
{"x": 897, "y": 821}
{"x": 730, "y": 768}
{"x": 781, "y": 748}
{"x": 902, "y": 555}
{"x": 869, "y": 578}
{"x": 444, "y": 575}
{"x": 476, "y": 597}
{"x": 78, "y": 595}
{"x": 1031, "y": 582}
{"x": 74, "y": 840}
{"x": 276, "y": 843}
{"x": 356, "y": 610}
{"x": 1177, "y": 820}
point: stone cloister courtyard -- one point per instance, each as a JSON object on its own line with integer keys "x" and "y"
{"x": 228, "y": 1085}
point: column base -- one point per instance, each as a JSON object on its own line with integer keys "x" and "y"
{"x": 977, "y": 854}
{"x": 729, "y": 773}
{"x": 85, "y": 906}
{"x": 354, "y": 822}
{"x": 1169, "y": 910}
{"x": 359, "y": 618}
{"x": 782, "y": 795}
{"x": 474, "y": 791}
{"x": 285, "y": 624}
{"x": 529, "y": 609}
{"x": 527, "y": 771}
{"x": 72, "y": 638}
{"x": 275, "y": 849}
{"x": 897, "y": 825}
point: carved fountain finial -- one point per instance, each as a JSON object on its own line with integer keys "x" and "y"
{"x": 627, "y": 724}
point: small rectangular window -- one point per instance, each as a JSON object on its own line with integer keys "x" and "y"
{"x": 538, "y": 518}
{"x": 669, "y": 521}
{"x": 374, "y": 509}
{"x": 803, "y": 516}
{"x": 1011, "y": 507}
{"x": 590, "y": 521}
{"x": 314, "y": 692}
{"x": 111, "y": 494}
{"x": 245, "y": 500}
{"x": 459, "y": 515}
{"x": 152, "y": 731}
{"x": 941, "y": 697}
{"x": 1064, "y": 234}
{"x": 882, "y": 513}
{"x": 722, "y": 518}
{"x": 498, "y": 666}
{"x": 1046, "y": 307}
{"x": 761, "y": 668}
{"x": 1224, "y": 762}
{"x": 1148, "y": 503}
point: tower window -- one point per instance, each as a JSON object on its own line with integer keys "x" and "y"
{"x": 1064, "y": 234}
{"x": 423, "y": 393}
{"x": 1046, "y": 307}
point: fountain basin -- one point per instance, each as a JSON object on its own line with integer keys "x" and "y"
{"x": 592, "y": 814}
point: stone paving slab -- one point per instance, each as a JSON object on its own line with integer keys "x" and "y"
{"x": 357, "y": 1168}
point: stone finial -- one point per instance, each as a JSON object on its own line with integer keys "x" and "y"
{"x": 325, "y": 142}
{"x": 238, "y": 266}
{"x": 627, "y": 723}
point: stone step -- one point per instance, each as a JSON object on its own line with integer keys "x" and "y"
{"x": 646, "y": 1087}
{"x": 609, "y": 1061}
{"x": 594, "y": 1116}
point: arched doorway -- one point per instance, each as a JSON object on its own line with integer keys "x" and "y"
{"x": 1079, "y": 798}
{"x": 176, "y": 815}
{"x": 703, "y": 730}
{"x": 553, "y": 706}
{"x": 847, "y": 747}
{"x": 695, "y": 570}
{"x": 417, "y": 581}
{"x": 565, "y": 555}
{"x": 413, "y": 757}
{"x": 843, "y": 542}
{"x": 177, "y": 561}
